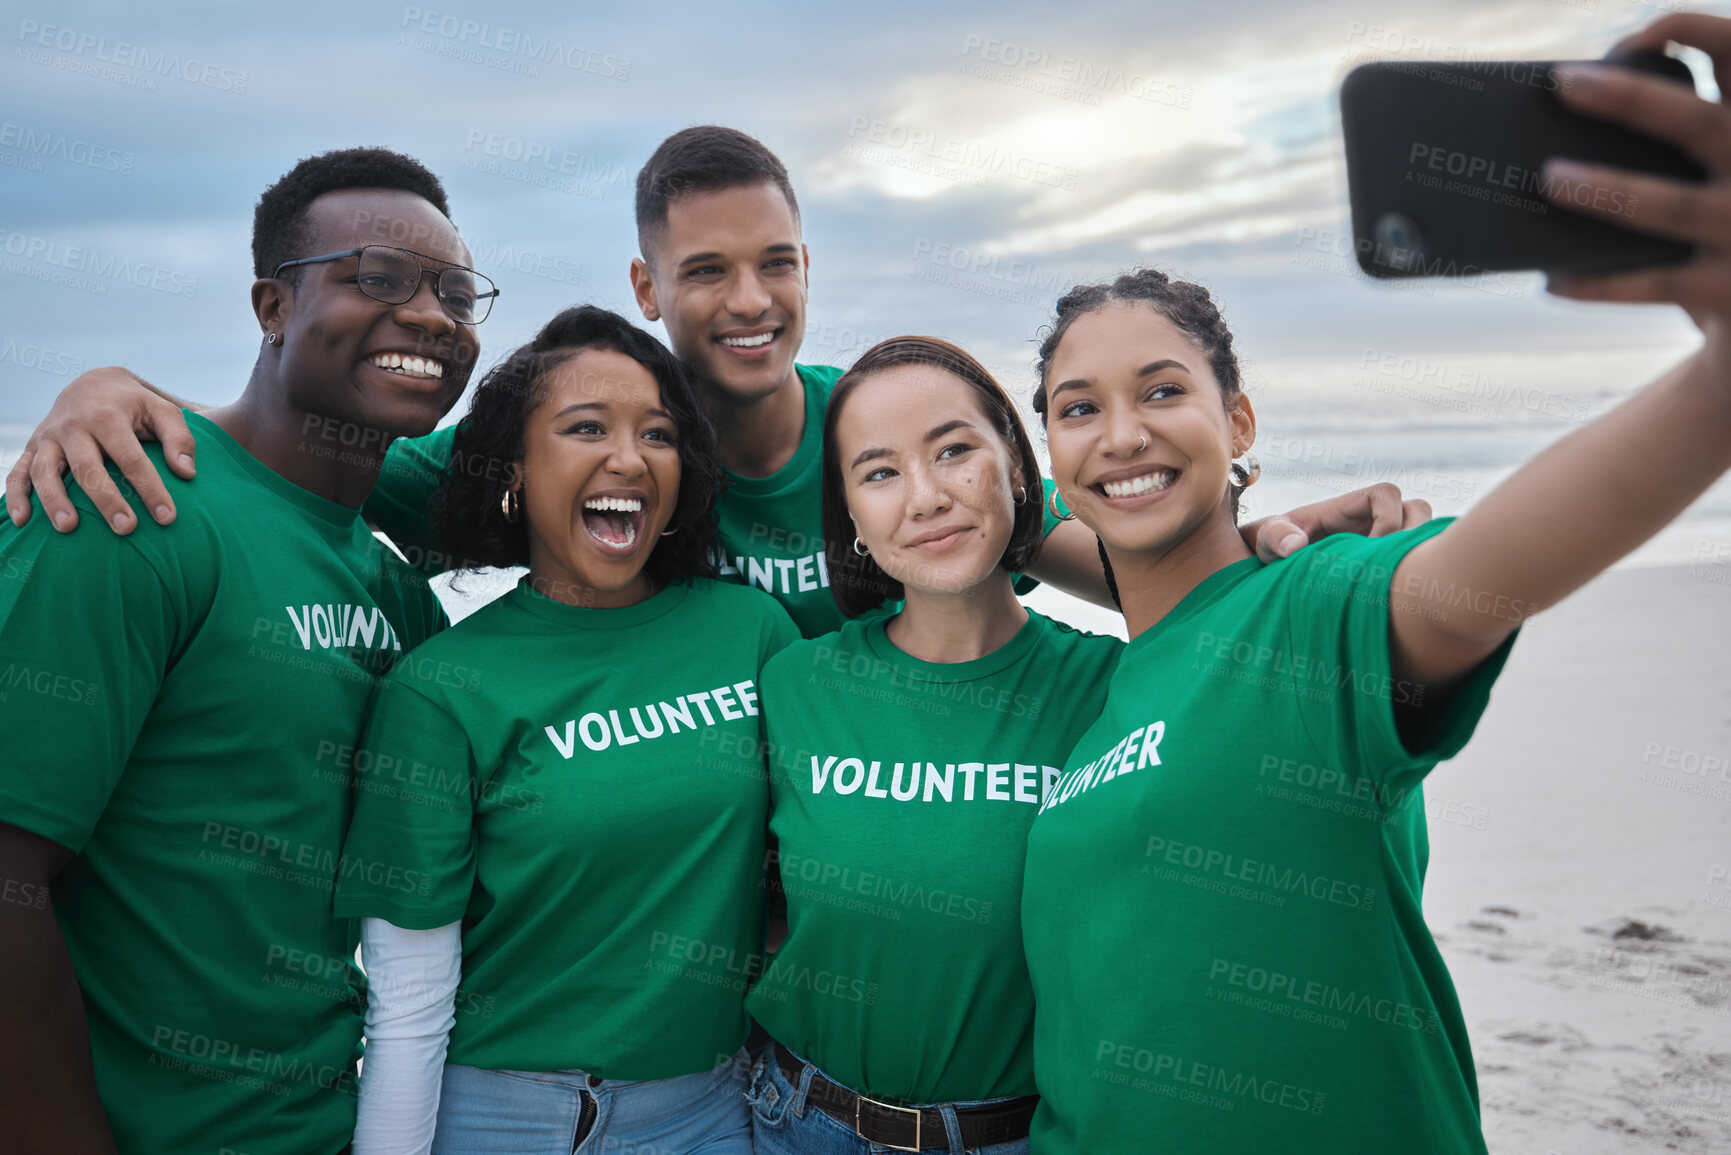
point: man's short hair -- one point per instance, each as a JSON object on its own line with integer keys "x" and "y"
{"x": 279, "y": 223}
{"x": 707, "y": 158}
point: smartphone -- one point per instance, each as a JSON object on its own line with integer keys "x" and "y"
{"x": 1444, "y": 163}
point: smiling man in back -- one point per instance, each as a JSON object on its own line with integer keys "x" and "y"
{"x": 176, "y": 703}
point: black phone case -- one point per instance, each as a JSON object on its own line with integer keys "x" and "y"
{"x": 1443, "y": 162}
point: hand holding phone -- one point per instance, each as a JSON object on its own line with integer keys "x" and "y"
{"x": 1698, "y": 213}
{"x": 1447, "y": 167}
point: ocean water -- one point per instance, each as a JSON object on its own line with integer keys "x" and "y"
{"x": 1449, "y": 446}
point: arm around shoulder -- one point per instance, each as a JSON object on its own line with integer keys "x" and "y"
{"x": 103, "y": 415}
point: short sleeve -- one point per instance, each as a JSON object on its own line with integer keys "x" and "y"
{"x": 401, "y": 499}
{"x": 88, "y": 628}
{"x": 1338, "y": 593}
{"x": 409, "y": 857}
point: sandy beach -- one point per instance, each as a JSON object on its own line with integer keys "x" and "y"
{"x": 1578, "y": 877}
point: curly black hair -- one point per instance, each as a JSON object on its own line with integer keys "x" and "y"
{"x": 489, "y": 445}
{"x": 1186, "y": 304}
{"x": 279, "y": 223}
{"x": 706, "y": 158}
{"x": 857, "y": 583}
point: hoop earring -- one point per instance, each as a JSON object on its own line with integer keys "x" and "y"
{"x": 271, "y": 338}
{"x": 508, "y": 506}
{"x": 859, "y": 548}
{"x": 669, "y": 532}
{"x": 1052, "y": 507}
{"x": 1246, "y": 473}
{"x": 1021, "y": 497}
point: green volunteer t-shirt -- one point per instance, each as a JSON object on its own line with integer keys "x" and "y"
{"x": 174, "y": 702}
{"x": 584, "y": 789}
{"x": 771, "y": 527}
{"x": 902, "y": 793}
{"x": 1222, "y": 902}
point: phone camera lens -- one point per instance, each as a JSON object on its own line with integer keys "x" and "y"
{"x": 1399, "y": 243}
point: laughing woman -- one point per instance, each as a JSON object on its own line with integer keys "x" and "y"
{"x": 909, "y": 756}
{"x": 560, "y": 798}
{"x": 1222, "y": 904}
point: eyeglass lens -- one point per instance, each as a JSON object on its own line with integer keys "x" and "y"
{"x": 392, "y": 276}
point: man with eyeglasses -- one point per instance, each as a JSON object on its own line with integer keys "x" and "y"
{"x": 392, "y": 275}
{"x": 179, "y": 707}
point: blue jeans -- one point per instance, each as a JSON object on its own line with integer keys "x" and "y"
{"x": 783, "y": 1123}
{"x": 538, "y": 1113}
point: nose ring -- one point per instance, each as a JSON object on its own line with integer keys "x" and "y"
{"x": 1142, "y": 446}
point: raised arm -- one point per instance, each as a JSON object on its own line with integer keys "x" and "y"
{"x": 1603, "y": 490}
{"x": 107, "y": 414}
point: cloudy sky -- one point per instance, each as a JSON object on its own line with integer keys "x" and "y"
{"x": 1030, "y": 144}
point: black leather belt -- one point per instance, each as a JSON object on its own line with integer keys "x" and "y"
{"x": 911, "y": 1128}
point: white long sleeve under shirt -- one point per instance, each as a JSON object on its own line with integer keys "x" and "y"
{"x": 412, "y": 978}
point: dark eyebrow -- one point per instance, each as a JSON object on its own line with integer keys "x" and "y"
{"x": 603, "y": 405}
{"x": 699, "y": 258}
{"x": 936, "y": 432}
{"x": 948, "y": 427}
{"x": 1156, "y": 366}
{"x": 1151, "y": 367}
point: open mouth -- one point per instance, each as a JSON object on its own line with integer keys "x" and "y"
{"x": 1152, "y": 482}
{"x": 409, "y": 365}
{"x": 614, "y": 523}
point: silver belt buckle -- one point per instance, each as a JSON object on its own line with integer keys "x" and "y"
{"x": 914, "y": 1111}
